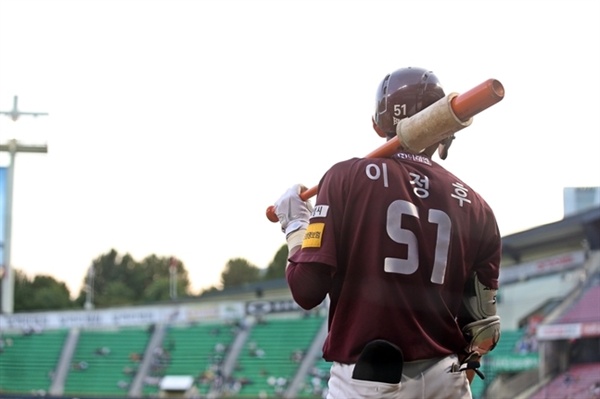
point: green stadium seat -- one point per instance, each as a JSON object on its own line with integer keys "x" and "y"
{"x": 111, "y": 373}
{"x": 28, "y": 362}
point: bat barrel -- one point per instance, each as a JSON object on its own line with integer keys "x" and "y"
{"x": 479, "y": 98}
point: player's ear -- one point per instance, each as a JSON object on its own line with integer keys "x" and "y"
{"x": 380, "y": 132}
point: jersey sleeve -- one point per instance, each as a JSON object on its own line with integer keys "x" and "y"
{"x": 487, "y": 262}
{"x": 308, "y": 282}
{"x": 311, "y": 269}
{"x": 320, "y": 244}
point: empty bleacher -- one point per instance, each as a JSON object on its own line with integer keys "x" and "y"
{"x": 580, "y": 381}
{"x": 267, "y": 363}
{"x": 105, "y": 361}
{"x": 28, "y": 360}
{"x": 573, "y": 362}
{"x": 586, "y": 309}
{"x": 196, "y": 350}
{"x": 315, "y": 382}
{"x": 272, "y": 354}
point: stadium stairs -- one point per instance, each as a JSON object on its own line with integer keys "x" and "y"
{"x": 196, "y": 350}
{"x": 275, "y": 358}
{"x": 137, "y": 386}
{"x": 64, "y": 363}
{"x": 105, "y": 361}
{"x": 312, "y": 360}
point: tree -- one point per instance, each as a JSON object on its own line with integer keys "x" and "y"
{"x": 120, "y": 280}
{"x": 43, "y": 292}
{"x": 276, "y": 268}
{"x": 116, "y": 293}
{"x": 156, "y": 278}
{"x": 108, "y": 270}
{"x": 159, "y": 290}
{"x": 239, "y": 271}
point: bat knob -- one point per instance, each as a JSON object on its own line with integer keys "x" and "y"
{"x": 271, "y": 214}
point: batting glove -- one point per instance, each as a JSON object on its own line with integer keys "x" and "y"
{"x": 292, "y": 211}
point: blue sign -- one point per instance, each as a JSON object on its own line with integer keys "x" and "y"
{"x": 2, "y": 215}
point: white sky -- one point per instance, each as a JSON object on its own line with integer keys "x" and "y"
{"x": 174, "y": 124}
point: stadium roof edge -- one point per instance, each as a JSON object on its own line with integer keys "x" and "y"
{"x": 572, "y": 231}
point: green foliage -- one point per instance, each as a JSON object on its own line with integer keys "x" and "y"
{"x": 239, "y": 271}
{"x": 115, "y": 293}
{"x": 40, "y": 293}
{"x": 156, "y": 272}
{"x": 120, "y": 280}
{"x": 209, "y": 290}
{"x": 276, "y": 268}
{"x": 160, "y": 289}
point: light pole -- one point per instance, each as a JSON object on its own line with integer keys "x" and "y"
{"x": 89, "y": 289}
{"x": 8, "y": 282}
{"x": 173, "y": 278}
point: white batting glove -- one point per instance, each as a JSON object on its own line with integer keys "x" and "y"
{"x": 293, "y": 212}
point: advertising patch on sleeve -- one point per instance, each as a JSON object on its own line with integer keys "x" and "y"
{"x": 313, "y": 235}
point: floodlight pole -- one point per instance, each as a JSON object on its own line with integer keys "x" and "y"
{"x": 8, "y": 282}
{"x": 89, "y": 289}
{"x": 173, "y": 278}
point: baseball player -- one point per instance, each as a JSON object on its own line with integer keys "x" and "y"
{"x": 409, "y": 256}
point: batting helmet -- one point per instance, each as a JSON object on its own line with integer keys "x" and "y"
{"x": 402, "y": 94}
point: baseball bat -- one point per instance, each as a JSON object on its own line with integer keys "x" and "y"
{"x": 462, "y": 107}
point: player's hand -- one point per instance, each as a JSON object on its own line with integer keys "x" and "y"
{"x": 470, "y": 365}
{"x": 293, "y": 212}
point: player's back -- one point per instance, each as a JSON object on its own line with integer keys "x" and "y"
{"x": 406, "y": 236}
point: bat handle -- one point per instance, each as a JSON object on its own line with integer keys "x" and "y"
{"x": 271, "y": 214}
{"x": 304, "y": 195}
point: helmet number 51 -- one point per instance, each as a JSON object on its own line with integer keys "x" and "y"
{"x": 399, "y": 109}
{"x": 396, "y": 211}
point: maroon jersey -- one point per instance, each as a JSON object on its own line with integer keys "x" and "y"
{"x": 399, "y": 237}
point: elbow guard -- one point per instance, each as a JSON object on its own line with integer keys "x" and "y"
{"x": 480, "y": 303}
{"x": 483, "y": 335}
